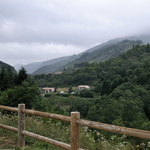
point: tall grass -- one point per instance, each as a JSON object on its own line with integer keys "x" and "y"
{"x": 89, "y": 139}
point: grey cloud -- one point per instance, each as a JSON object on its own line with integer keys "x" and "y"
{"x": 77, "y": 23}
{"x": 28, "y": 21}
{"x": 14, "y": 52}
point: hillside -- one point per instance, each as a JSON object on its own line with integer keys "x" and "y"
{"x": 32, "y": 67}
{"x": 54, "y": 65}
{"x": 104, "y": 53}
{"x": 6, "y": 66}
{"x": 93, "y": 73}
{"x": 119, "y": 84}
{"x": 57, "y": 64}
{"x": 96, "y": 54}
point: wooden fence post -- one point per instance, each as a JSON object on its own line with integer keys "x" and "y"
{"x": 75, "y": 131}
{"x": 21, "y": 125}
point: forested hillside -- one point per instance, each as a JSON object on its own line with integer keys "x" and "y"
{"x": 122, "y": 88}
{"x": 6, "y": 66}
{"x": 54, "y": 65}
{"x": 102, "y": 53}
{"x": 99, "y": 53}
{"x": 96, "y": 54}
{"x": 96, "y": 74}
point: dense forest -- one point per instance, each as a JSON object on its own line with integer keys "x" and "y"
{"x": 120, "y": 93}
{"x": 6, "y": 66}
{"x": 121, "y": 89}
{"x": 18, "y": 88}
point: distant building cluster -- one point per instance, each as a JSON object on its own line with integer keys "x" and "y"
{"x": 52, "y": 89}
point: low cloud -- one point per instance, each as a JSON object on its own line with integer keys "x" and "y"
{"x": 64, "y": 27}
{"x": 34, "y": 52}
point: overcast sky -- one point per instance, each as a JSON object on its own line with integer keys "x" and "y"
{"x": 37, "y": 30}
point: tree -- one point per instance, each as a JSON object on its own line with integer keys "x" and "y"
{"x": 80, "y": 104}
{"x": 6, "y": 79}
{"x": 86, "y": 93}
{"x": 25, "y": 93}
{"x": 22, "y": 76}
{"x": 18, "y": 88}
{"x": 105, "y": 87}
{"x": 70, "y": 89}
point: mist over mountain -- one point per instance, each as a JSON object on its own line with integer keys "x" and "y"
{"x": 99, "y": 53}
{"x": 103, "y": 53}
{"x": 31, "y": 67}
{"x": 144, "y": 37}
{"x": 54, "y": 65}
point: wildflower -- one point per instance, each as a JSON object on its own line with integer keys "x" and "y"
{"x": 121, "y": 144}
{"x": 142, "y": 144}
{"x": 125, "y": 143}
{"x": 97, "y": 133}
{"x": 137, "y": 145}
{"x": 85, "y": 129}
{"x": 148, "y": 144}
{"x": 102, "y": 138}
{"x": 124, "y": 136}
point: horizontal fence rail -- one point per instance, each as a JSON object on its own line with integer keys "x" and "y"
{"x": 115, "y": 129}
{"x": 75, "y": 123}
{"x": 9, "y": 108}
{"x": 47, "y": 140}
{"x": 47, "y": 115}
{"x": 8, "y": 128}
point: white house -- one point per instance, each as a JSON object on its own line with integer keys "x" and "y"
{"x": 81, "y": 87}
{"x": 48, "y": 89}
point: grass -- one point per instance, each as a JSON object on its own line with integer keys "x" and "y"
{"x": 89, "y": 139}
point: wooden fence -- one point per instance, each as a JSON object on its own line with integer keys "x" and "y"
{"x": 75, "y": 123}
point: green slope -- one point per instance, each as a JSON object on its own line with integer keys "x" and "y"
{"x": 104, "y": 53}
{"x": 6, "y": 66}
{"x": 98, "y": 53}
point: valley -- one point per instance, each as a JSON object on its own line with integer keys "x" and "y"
{"x": 120, "y": 84}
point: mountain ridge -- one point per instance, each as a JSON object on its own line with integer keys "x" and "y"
{"x": 68, "y": 62}
{"x": 37, "y": 65}
{"x": 96, "y": 54}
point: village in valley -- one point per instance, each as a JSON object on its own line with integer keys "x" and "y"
{"x": 65, "y": 90}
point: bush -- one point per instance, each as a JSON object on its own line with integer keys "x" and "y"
{"x": 63, "y": 94}
{"x": 47, "y": 95}
{"x": 86, "y": 93}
